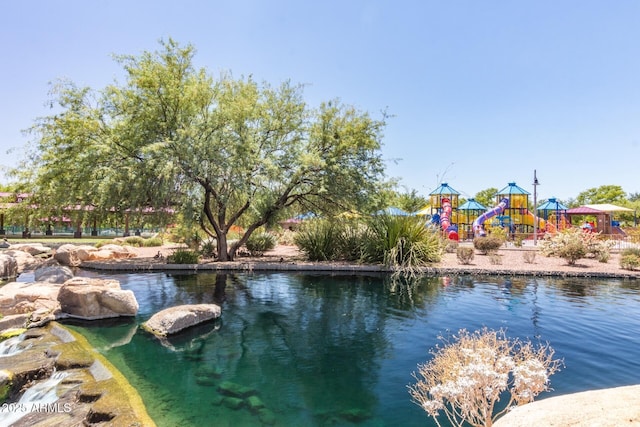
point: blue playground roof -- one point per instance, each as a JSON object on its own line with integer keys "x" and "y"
{"x": 472, "y": 205}
{"x": 393, "y": 211}
{"x": 444, "y": 189}
{"x": 552, "y": 205}
{"x": 512, "y": 188}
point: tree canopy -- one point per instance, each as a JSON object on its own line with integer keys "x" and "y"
{"x": 487, "y": 197}
{"x": 222, "y": 151}
{"x": 603, "y": 194}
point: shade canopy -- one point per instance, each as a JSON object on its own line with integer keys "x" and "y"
{"x": 584, "y": 210}
{"x": 472, "y": 205}
{"x": 393, "y": 211}
{"x": 608, "y": 207}
{"x": 552, "y": 205}
{"x": 444, "y": 189}
{"x": 426, "y": 210}
{"x": 512, "y": 188}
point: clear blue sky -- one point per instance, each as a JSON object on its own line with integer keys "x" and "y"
{"x": 482, "y": 92}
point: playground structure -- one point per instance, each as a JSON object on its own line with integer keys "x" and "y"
{"x": 511, "y": 213}
{"x": 443, "y": 207}
{"x": 478, "y": 229}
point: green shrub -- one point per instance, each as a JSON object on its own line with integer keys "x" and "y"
{"x": 136, "y": 241}
{"x": 630, "y": 262}
{"x": 152, "y": 242}
{"x": 573, "y": 244}
{"x": 630, "y": 259}
{"x": 487, "y": 244}
{"x": 286, "y": 237}
{"x": 208, "y": 248}
{"x": 631, "y": 251}
{"x": 183, "y": 256}
{"x": 465, "y": 254}
{"x": 101, "y": 243}
{"x": 259, "y": 243}
{"x": 572, "y": 252}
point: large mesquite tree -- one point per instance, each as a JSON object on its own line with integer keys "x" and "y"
{"x": 221, "y": 151}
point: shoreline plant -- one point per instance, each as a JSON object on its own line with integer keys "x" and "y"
{"x": 467, "y": 377}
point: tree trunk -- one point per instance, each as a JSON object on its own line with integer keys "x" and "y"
{"x": 221, "y": 243}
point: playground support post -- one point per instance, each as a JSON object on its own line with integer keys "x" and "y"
{"x": 535, "y": 202}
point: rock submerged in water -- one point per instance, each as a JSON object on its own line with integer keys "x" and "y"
{"x": 174, "y": 319}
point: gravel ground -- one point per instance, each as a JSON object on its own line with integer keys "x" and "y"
{"x": 509, "y": 260}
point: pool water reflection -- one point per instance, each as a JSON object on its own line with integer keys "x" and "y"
{"x": 320, "y": 350}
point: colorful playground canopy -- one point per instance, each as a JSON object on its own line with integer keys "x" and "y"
{"x": 512, "y": 188}
{"x": 426, "y": 210}
{"x": 444, "y": 189}
{"x": 393, "y": 211}
{"x": 552, "y": 205}
{"x": 472, "y": 205}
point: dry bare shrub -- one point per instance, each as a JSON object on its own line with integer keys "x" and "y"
{"x": 467, "y": 375}
{"x": 495, "y": 258}
{"x": 529, "y": 256}
{"x": 465, "y": 254}
{"x": 488, "y": 244}
{"x": 451, "y": 246}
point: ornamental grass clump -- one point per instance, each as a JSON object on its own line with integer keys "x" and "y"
{"x": 318, "y": 239}
{"x": 469, "y": 374}
{"x": 402, "y": 243}
{"x": 184, "y": 256}
{"x": 259, "y": 243}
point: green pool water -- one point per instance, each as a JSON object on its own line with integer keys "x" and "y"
{"x": 319, "y": 350}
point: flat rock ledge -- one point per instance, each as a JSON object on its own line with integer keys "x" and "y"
{"x": 174, "y": 319}
{"x": 91, "y": 391}
{"x": 613, "y": 407}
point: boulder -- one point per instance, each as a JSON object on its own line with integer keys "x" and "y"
{"x": 25, "y": 260}
{"x": 52, "y": 274}
{"x": 68, "y": 254}
{"x": 175, "y": 319}
{"x": 24, "y": 297}
{"x": 73, "y": 256}
{"x": 87, "y": 298}
{"x": 119, "y": 251}
{"x": 8, "y": 267}
{"x": 34, "y": 249}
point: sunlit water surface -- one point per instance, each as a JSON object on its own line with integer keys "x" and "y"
{"x": 321, "y": 350}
